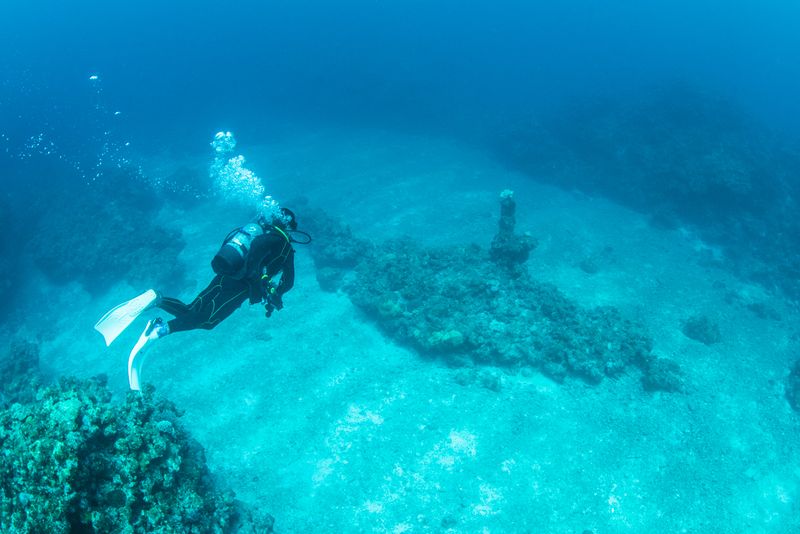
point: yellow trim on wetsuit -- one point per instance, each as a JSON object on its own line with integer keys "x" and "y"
{"x": 284, "y": 234}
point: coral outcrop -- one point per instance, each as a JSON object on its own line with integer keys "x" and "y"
{"x": 19, "y": 373}
{"x": 74, "y": 461}
{"x": 469, "y": 305}
{"x": 101, "y": 233}
{"x": 685, "y": 158}
{"x": 662, "y": 374}
{"x": 701, "y": 328}
{"x": 336, "y": 251}
{"x": 456, "y": 303}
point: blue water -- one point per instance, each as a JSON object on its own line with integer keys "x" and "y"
{"x": 652, "y": 148}
{"x": 187, "y": 66}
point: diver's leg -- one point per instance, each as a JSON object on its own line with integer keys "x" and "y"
{"x": 173, "y": 306}
{"x": 226, "y": 302}
{"x": 189, "y": 317}
{"x": 216, "y": 302}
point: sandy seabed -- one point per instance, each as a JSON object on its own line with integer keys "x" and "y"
{"x": 316, "y": 417}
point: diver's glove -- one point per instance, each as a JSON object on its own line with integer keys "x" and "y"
{"x": 272, "y": 300}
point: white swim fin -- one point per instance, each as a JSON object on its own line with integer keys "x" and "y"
{"x": 155, "y": 329}
{"x": 113, "y": 323}
{"x": 135, "y": 361}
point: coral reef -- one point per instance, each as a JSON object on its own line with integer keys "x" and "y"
{"x": 335, "y": 249}
{"x": 19, "y": 373}
{"x": 685, "y": 158}
{"x": 662, "y": 374}
{"x": 671, "y": 149}
{"x": 76, "y": 462}
{"x": 456, "y": 302}
{"x": 103, "y": 234}
{"x": 702, "y": 329}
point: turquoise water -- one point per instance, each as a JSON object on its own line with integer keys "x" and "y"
{"x": 652, "y": 156}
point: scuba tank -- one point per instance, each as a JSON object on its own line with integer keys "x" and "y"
{"x": 231, "y": 260}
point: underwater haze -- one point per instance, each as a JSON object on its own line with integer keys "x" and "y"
{"x": 178, "y": 67}
{"x": 552, "y": 281}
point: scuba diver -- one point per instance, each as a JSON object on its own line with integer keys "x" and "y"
{"x": 255, "y": 262}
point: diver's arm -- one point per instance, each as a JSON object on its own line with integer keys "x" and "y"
{"x": 287, "y": 277}
{"x": 259, "y": 250}
{"x": 273, "y": 296}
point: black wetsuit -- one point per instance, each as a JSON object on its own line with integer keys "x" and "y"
{"x": 272, "y": 251}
